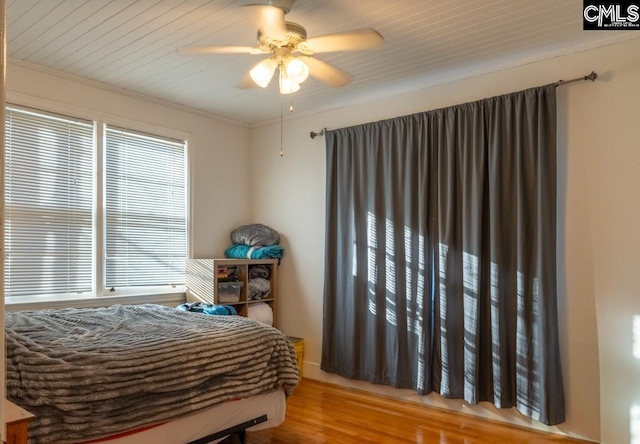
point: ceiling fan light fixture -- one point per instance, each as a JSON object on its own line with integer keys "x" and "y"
{"x": 296, "y": 69}
{"x": 263, "y": 72}
{"x": 287, "y": 86}
{"x": 281, "y": 39}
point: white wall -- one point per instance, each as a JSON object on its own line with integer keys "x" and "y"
{"x": 599, "y": 239}
{"x": 217, "y": 151}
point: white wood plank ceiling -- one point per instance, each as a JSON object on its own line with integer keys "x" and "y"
{"x": 130, "y": 45}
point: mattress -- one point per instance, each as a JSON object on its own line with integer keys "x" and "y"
{"x": 87, "y": 374}
{"x": 210, "y": 421}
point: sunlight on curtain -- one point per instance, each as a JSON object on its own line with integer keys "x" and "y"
{"x": 372, "y": 246}
{"x": 496, "y": 358}
{"x": 470, "y": 265}
{"x": 390, "y": 273}
{"x": 444, "y": 350}
{"x": 408, "y": 259}
{"x": 527, "y": 345}
{"x": 417, "y": 323}
{"x": 372, "y": 276}
{"x": 390, "y": 309}
{"x": 414, "y": 319}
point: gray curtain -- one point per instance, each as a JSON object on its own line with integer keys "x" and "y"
{"x": 440, "y": 269}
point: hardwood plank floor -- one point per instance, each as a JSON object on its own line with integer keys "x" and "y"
{"x": 325, "y": 413}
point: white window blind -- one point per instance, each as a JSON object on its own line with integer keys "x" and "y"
{"x": 146, "y": 224}
{"x": 48, "y": 204}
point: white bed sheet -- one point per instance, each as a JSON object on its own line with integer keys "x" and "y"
{"x": 215, "y": 419}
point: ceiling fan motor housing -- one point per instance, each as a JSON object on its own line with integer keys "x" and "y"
{"x": 295, "y": 34}
{"x": 285, "y": 5}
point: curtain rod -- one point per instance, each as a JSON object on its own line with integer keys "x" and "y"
{"x": 592, "y": 76}
{"x": 320, "y": 133}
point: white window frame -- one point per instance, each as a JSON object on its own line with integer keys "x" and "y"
{"x": 49, "y": 180}
{"x": 133, "y": 290}
{"x": 100, "y": 292}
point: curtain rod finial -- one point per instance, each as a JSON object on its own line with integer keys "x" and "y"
{"x": 313, "y": 134}
{"x": 593, "y": 76}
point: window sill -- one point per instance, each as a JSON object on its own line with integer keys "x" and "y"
{"x": 171, "y": 298}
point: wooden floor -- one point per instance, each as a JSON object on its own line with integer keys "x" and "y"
{"x": 325, "y": 413}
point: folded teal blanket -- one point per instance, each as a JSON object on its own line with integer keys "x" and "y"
{"x": 239, "y": 251}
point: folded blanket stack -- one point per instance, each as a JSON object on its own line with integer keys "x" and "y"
{"x": 255, "y": 241}
{"x": 238, "y": 251}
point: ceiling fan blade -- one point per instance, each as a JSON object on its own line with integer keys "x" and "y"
{"x": 210, "y": 49}
{"x": 246, "y": 82}
{"x": 345, "y": 41}
{"x": 270, "y": 21}
{"x": 325, "y": 72}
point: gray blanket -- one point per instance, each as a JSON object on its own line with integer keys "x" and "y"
{"x": 255, "y": 235}
{"x": 90, "y": 373}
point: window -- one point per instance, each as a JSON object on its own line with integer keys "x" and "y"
{"x": 76, "y": 226}
{"x": 48, "y": 204}
{"x": 146, "y": 227}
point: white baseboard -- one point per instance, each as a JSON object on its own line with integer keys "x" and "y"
{"x": 311, "y": 370}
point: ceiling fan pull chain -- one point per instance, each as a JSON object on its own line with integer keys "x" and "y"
{"x": 281, "y": 138}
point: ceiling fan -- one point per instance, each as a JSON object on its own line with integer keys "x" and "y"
{"x": 289, "y": 50}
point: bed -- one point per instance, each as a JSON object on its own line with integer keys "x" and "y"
{"x": 145, "y": 374}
